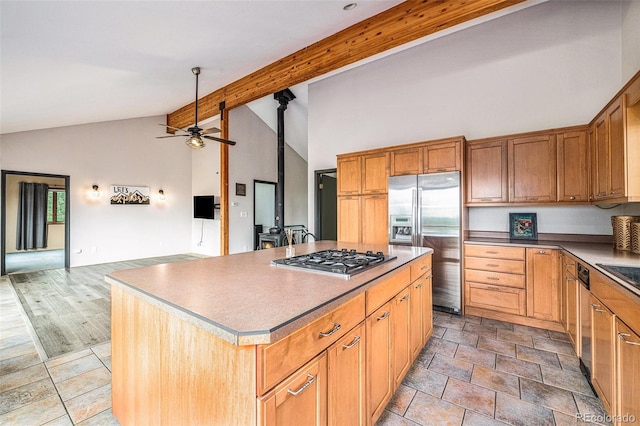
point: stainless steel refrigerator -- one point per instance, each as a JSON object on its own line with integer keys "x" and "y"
{"x": 424, "y": 211}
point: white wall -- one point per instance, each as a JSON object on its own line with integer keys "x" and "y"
{"x": 205, "y": 180}
{"x": 552, "y": 65}
{"x": 255, "y": 157}
{"x": 118, "y": 152}
{"x": 630, "y": 39}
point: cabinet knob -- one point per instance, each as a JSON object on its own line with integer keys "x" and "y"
{"x": 541, "y": 252}
{"x": 572, "y": 198}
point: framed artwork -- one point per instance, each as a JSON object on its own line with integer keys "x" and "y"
{"x": 523, "y": 226}
{"x": 241, "y": 189}
{"x": 125, "y": 194}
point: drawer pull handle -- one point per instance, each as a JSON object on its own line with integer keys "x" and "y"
{"x": 336, "y": 327}
{"x": 308, "y": 383}
{"x": 424, "y": 267}
{"x": 568, "y": 264}
{"x": 491, "y": 252}
{"x": 493, "y": 288}
{"x": 405, "y": 297}
{"x": 384, "y": 316}
{"x": 486, "y": 199}
{"x": 419, "y": 285}
{"x": 595, "y": 308}
{"x": 492, "y": 265}
{"x": 541, "y": 252}
{"x": 622, "y": 337}
{"x": 493, "y": 278}
{"x": 356, "y": 340}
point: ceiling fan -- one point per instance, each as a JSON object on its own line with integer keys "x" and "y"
{"x": 195, "y": 133}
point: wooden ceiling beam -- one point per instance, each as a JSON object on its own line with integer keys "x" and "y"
{"x": 406, "y": 22}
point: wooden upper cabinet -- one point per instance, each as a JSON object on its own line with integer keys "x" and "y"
{"x": 406, "y": 162}
{"x": 441, "y": 157}
{"x": 532, "y": 169}
{"x": 573, "y": 166}
{"x": 486, "y": 172}
{"x": 374, "y": 173}
{"x": 349, "y": 175}
{"x": 615, "y": 148}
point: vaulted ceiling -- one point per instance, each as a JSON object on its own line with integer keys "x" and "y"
{"x": 74, "y": 62}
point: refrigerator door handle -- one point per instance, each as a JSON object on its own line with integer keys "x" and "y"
{"x": 418, "y": 213}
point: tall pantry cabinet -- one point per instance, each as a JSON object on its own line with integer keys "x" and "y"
{"x": 362, "y": 198}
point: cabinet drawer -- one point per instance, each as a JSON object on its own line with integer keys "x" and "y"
{"x": 494, "y": 252}
{"x": 388, "y": 287}
{"x": 495, "y": 265}
{"x": 277, "y": 360}
{"x": 495, "y": 298}
{"x": 494, "y": 278}
{"x": 420, "y": 266}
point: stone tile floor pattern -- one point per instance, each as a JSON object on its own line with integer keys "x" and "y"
{"x": 473, "y": 371}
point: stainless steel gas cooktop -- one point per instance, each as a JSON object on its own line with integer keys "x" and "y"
{"x": 344, "y": 263}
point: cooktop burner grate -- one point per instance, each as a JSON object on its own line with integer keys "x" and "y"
{"x": 343, "y": 262}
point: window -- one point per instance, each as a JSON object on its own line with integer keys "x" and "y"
{"x": 56, "y": 206}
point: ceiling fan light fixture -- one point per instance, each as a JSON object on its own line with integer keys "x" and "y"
{"x": 195, "y": 142}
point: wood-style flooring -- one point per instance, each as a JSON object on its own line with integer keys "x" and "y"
{"x": 69, "y": 309}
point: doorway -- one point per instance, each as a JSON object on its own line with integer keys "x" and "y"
{"x": 326, "y": 204}
{"x": 264, "y": 208}
{"x": 52, "y": 247}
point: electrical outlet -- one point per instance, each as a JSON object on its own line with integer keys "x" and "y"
{"x": 243, "y": 214}
{"x": 234, "y": 204}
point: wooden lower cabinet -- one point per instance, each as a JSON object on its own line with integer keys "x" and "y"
{"x": 543, "y": 293}
{"x": 378, "y": 356}
{"x": 627, "y": 373}
{"x": 573, "y": 312}
{"x": 400, "y": 339}
{"x": 300, "y": 399}
{"x": 603, "y": 353}
{"x": 346, "y": 384}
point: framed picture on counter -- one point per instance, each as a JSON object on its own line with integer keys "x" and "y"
{"x": 523, "y": 226}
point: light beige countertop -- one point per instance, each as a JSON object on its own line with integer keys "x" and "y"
{"x": 245, "y": 300}
{"x": 591, "y": 253}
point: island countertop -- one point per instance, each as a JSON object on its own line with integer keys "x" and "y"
{"x": 245, "y": 300}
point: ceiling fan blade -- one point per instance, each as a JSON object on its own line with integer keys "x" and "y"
{"x": 213, "y": 138}
{"x": 172, "y": 136}
{"x": 171, "y": 127}
{"x": 210, "y": 130}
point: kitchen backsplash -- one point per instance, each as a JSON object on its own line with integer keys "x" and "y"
{"x": 552, "y": 220}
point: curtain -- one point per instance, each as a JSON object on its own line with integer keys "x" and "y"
{"x": 32, "y": 216}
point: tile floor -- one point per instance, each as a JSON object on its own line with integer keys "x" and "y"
{"x": 473, "y": 371}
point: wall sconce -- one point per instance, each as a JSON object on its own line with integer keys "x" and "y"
{"x": 95, "y": 193}
{"x": 161, "y": 195}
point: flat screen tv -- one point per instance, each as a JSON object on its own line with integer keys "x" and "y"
{"x": 203, "y": 207}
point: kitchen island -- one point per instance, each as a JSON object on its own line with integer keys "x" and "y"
{"x": 236, "y": 340}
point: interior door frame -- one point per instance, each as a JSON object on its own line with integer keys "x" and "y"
{"x": 265, "y": 182}
{"x": 316, "y": 189}
{"x": 3, "y": 215}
